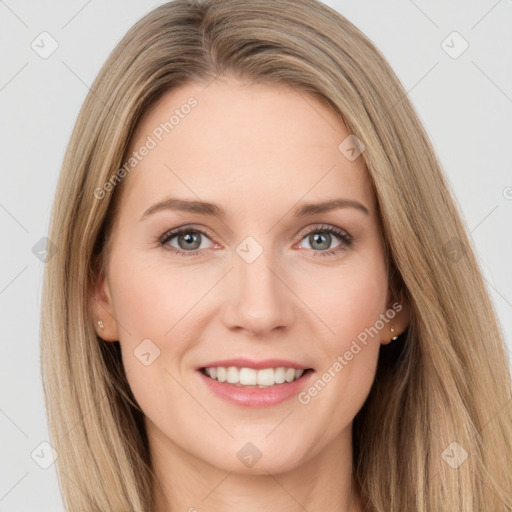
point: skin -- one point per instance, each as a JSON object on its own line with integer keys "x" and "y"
{"x": 257, "y": 151}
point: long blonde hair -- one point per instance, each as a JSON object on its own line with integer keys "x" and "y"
{"x": 435, "y": 432}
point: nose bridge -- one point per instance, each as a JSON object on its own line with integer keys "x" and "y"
{"x": 259, "y": 301}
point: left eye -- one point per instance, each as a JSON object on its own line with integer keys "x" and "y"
{"x": 321, "y": 240}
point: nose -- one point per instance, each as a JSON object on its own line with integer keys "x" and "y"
{"x": 258, "y": 298}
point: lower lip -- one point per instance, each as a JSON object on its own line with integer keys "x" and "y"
{"x": 256, "y": 397}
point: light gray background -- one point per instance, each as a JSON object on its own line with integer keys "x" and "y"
{"x": 465, "y": 104}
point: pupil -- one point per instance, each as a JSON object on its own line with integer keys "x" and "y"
{"x": 190, "y": 238}
{"x": 318, "y": 237}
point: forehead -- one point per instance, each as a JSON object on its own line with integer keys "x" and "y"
{"x": 250, "y": 144}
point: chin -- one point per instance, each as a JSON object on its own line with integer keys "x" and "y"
{"x": 259, "y": 457}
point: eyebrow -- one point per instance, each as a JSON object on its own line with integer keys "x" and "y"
{"x": 214, "y": 210}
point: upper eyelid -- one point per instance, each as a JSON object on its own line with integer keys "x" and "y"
{"x": 187, "y": 227}
{"x": 325, "y": 227}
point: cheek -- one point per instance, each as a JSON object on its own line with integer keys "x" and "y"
{"x": 154, "y": 306}
{"x": 350, "y": 301}
{"x": 151, "y": 300}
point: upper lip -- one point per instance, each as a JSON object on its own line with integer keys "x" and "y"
{"x": 257, "y": 365}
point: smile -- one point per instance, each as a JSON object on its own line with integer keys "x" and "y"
{"x": 251, "y": 387}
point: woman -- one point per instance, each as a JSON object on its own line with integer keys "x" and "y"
{"x": 200, "y": 350}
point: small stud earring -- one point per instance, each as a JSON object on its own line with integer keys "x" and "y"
{"x": 392, "y": 329}
{"x": 100, "y": 323}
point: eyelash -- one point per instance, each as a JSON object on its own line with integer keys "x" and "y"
{"x": 345, "y": 238}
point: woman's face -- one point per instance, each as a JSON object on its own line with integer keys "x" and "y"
{"x": 259, "y": 279}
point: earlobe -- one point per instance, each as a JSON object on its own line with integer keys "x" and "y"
{"x": 102, "y": 310}
{"x": 398, "y": 324}
{"x": 392, "y": 336}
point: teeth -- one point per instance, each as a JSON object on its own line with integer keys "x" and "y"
{"x": 279, "y": 375}
{"x": 251, "y": 377}
{"x": 248, "y": 376}
{"x": 221, "y": 374}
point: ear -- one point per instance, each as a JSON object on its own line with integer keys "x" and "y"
{"x": 400, "y": 320}
{"x": 102, "y": 309}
